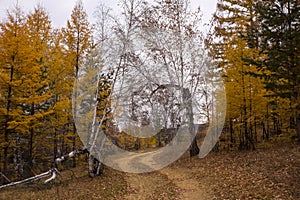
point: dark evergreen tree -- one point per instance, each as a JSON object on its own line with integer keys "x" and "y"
{"x": 278, "y": 39}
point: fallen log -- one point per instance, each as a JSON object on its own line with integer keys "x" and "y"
{"x": 52, "y": 172}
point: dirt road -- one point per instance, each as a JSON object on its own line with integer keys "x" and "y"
{"x": 168, "y": 183}
{"x": 171, "y": 182}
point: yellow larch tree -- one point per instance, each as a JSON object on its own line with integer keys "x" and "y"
{"x": 12, "y": 53}
{"x": 61, "y": 85}
{"x": 78, "y": 43}
{"x": 35, "y": 81}
{"x": 245, "y": 93}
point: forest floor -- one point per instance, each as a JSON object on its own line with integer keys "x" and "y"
{"x": 267, "y": 173}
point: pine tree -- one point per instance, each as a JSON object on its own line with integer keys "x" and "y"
{"x": 279, "y": 39}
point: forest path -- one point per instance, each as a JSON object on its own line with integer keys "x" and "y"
{"x": 175, "y": 182}
{"x": 168, "y": 183}
{"x": 184, "y": 179}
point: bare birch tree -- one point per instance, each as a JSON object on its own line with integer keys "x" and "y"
{"x": 172, "y": 53}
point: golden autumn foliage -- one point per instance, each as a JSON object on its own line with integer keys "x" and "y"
{"x": 37, "y": 72}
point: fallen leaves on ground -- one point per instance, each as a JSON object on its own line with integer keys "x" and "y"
{"x": 262, "y": 174}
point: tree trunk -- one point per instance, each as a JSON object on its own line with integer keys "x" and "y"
{"x": 194, "y": 149}
{"x": 298, "y": 125}
{"x": 255, "y": 130}
{"x": 95, "y": 166}
{"x": 30, "y": 159}
{"x": 74, "y": 144}
{"x": 231, "y": 132}
{"x": 7, "y": 118}
{"x": 55, "y": 145}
